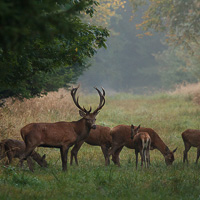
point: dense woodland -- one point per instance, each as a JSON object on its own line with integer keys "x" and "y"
{"x": 49, "y": 45}
{"x": 145, "y": 53}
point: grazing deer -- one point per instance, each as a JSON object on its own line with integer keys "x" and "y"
{"x": 61, "y": 135}
{"x": 191, "y": 138}
{"x": 121, "y": 137}
{"x": 142, "y": 144}
{"x": 14, "y": 149}
{"x": 97, "y": 137}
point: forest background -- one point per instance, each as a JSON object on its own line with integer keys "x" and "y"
{"x": 153, "y": 45}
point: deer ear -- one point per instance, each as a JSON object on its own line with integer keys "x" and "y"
{"x": 81, "y": 113}
{"x": 137, "y": 129}
{"x": 132, "y": 126}
{"x": 175, "y": 150}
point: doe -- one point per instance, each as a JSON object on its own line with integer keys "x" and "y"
{"x": 191, "y": 138}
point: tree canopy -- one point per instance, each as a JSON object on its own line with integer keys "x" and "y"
{"x": 44, "y": 44}
{"x": 142, "y": 64}
{"x": 178, "y": 19}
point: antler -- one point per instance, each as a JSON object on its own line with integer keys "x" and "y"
{"x": 102, "y": 99}
{"x": 73, "y": 94}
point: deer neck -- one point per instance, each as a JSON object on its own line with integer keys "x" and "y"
{"x": 163, "y": 148}
{"x": 82, "y": 129}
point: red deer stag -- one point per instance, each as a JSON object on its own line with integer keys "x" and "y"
{"x": 97, "y": 137}
{"x": 191, "y": 138}
{"x": 142, "y": 144}
{"x": 121, "y": 137}
{"x": 14, "y": 149}
{"x": 62, "y": 135}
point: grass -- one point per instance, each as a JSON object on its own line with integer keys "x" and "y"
{"x": 168, "y": 114}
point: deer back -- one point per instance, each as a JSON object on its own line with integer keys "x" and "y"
{"x": 100, "y": 135}
{"x": 192, "y": 137}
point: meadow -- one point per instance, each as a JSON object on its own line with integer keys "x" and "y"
{"x": 169, "y": 114}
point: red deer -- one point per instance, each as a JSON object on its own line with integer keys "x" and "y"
{"x": 191, "y": 138}
{"x": 97, "y": 137}
{"x": 142, "y": 143}
{"x": 61, "y": 135}
{"x": 14, "y": 149}
{"x": 121, "y": 137}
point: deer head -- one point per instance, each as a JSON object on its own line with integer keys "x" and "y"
{"x": 169, "y": 157}
{"x": 86, "y": 114}
{"x": 134, "y": 130}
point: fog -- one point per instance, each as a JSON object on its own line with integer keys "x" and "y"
{"x": 133, "y": 64}
{"x": 128, "y": 63}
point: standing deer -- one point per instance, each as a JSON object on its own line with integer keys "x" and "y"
{"x": 14, "y": 149}
{"x": 97, "y": 137}
{"x": 121, "y": 137}
{"x": 191, "y": 138}
{"x": 61, "y": 135}
{"x": 142, "y": 144}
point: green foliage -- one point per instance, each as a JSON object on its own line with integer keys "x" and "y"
{"x": 173, "y": 69}
{"x": 142, "y": 65}
{"x": 179, "y": 19}
{"x": 127, "y": 63}
{"x": 44, "y": 38}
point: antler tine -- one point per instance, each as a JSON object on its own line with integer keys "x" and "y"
{"x": 73, "y": 94}
{"x": 102, "y": 99}
{"x": 103, "y": 91}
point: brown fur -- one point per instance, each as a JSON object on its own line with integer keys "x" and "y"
{"x": 14, "y": 149}
{"x": 191, "y": 138}
{"x": 97, "y": 137}
{"x": 121, "y": 136}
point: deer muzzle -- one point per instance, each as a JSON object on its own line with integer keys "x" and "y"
{"x": 93, "y": 126}
{"x": 131, "y": 137}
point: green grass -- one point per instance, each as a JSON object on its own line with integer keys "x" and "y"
{"x": 168, "y": 115}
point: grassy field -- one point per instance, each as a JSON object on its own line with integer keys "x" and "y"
{"x": 168, "y": 114}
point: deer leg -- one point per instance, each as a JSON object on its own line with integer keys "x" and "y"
{"x": 21, "y": 161}
{"x": 105, "y": 153}
{"x": 142, "y": 157}
{"x": 136, "y": 158}
{"x": 9, "y": 156}
{"x": 187, "y": 148}
{"x": 113, "y": 149}
{"x": 30, "y": 164}
{"x": 64, "y": 152}
{"x": 148, "y": 158}
{"x": 115, "y": 156}
{"x": 198, "y": 154}
{"x": 74, "y": 152}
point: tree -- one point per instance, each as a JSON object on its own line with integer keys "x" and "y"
{"x": 177, "y": 18}
{"x": 175, "y": 68}
{"x": 127, "y": 64}
{"x": 43, "y": 39}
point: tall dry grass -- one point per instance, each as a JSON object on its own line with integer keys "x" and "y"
{"x": 190, "y": 90}
{"x": 56, "y": 106}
